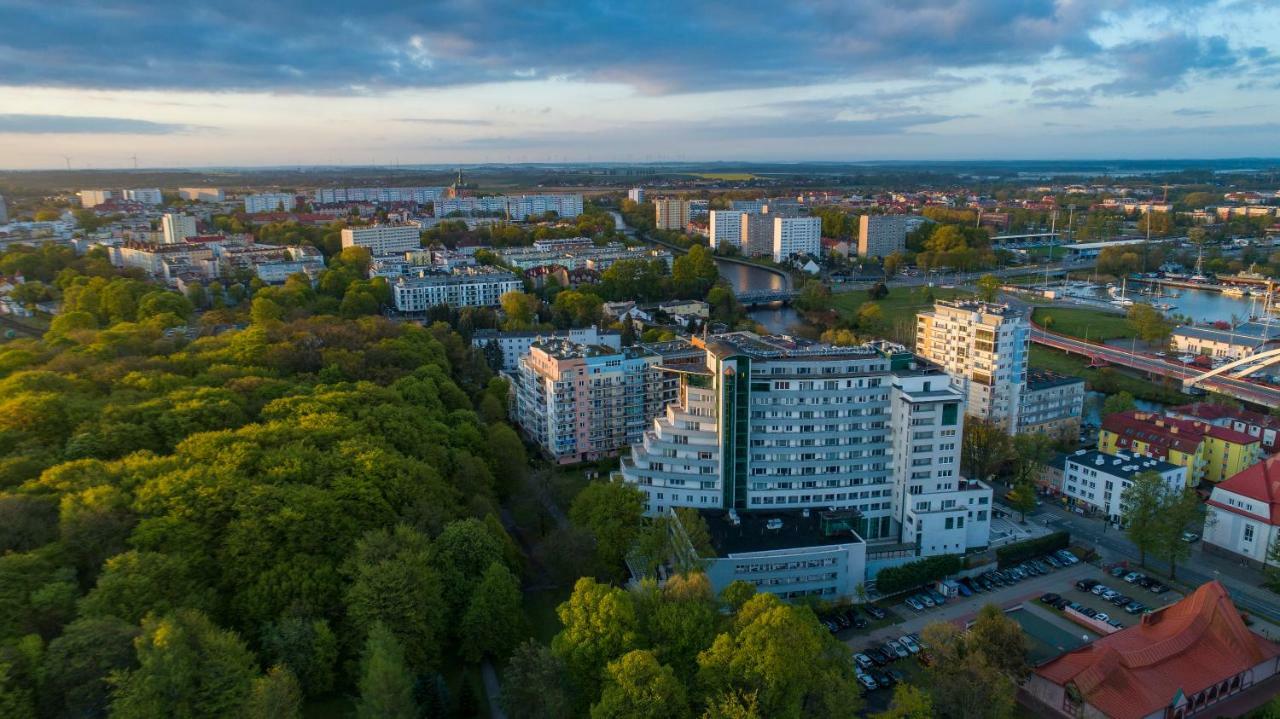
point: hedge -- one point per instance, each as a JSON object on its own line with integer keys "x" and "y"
{"x": 892, "y": 580}
{"x": 1019, "y": 552}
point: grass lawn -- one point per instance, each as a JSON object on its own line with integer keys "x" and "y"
{"x": 728, "y": 176}
{"x": 1058, "y": 251}
{"x": 1114, "y": 380}
{"x": 1083, "y": 323}
{"x": 540, "y": 606}
{"x": 902, "y": 302}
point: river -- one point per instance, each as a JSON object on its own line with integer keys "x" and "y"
{"x": 776, "y": 317}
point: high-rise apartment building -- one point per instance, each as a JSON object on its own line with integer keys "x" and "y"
{"x": 636, "y": 195}
{"x": 881, "y": 235}
{"x": 177, "y": 227}
{"x": 757, "y": 234}
{"x": 582, "y": 402}
{"x": 984, "y": 348}
{"x": 145, "y": 195}
{"x": 4, "y": 211}
{"x": 778, "y": 424}
{"x": 202, "y": 194}
{"x": 725, "y": 228}
{"x": 793, "y": 236}
{"x": 384, "y": 239}
{"x": 269, "y": 202}
{"x": 671, "y": 214}
{"x": 754, "y": 206}
{"x": 92, "y": 198}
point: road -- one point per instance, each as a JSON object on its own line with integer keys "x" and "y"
{"x": 1239, "y": 388}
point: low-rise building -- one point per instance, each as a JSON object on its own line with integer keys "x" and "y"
{"x": 1207, "y": 452}
{"x": 1052, "y": 404}
{"x": 790, "y": 553}
{"x": 1178, "y": 661}
{"x": 515, "y": 345}
{"x": 464, "y": 287}
{"x": 1242, "y": 517}
{"x": 583, "y": 402}
{"x": 1099, "y": 481}
{"x": 579, "y": 256}
{"x": 1241, "y": 341}
{"x": 1264, "y": 427}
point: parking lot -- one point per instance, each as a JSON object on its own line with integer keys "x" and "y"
{"x": 1088, "y": 599}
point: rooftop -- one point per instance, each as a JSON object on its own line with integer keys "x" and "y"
{"x": 1119, "y": 464}
{"x": 1260, "y": 482}
{"x": 1046, "y": 378}
{"x": 1250, "y": 334}
{"x": 1183, "y": 435}
{"x": 1182, "y": 649}
{"x": 791, "y": 529}
{"x": 987, "y": 308}
{"x": 787, "y": 347}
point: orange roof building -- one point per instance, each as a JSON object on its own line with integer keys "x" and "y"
{"x": 1180, "y": 661}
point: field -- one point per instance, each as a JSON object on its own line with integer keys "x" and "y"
{"x": 1083, "y": 323}
{"x": 902, "y": 302}
{"x": 727, "y": 176}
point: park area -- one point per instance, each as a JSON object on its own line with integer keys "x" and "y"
{"x": 1087, "y": 324}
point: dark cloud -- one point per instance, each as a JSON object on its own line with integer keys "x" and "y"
{"x": 1148, "y": 67}
{"x": 336, "y": 47}
{"x": 80, "y": 125}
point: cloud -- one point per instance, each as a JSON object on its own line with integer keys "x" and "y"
{"x": 464, "y": 122}
{"x": 84, "y": 125}
{"x": 655, "y": 46}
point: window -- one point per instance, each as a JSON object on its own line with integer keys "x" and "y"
{"x": 1248, "y": 532}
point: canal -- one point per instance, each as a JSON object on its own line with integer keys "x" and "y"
{"x": 745, "y": 278}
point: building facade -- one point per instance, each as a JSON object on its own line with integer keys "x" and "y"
{"x": 1263, "y": 427}
{"x": 269, "y": 202}
{"x": 881, "y": 235}
{"x": 92, "y": 198}
{"x": 582, "y": 402}
{"x": 725, "y": 228}
{"x": 145, "y": 196}
{"x": 384, "y": 239}
{"x": 1207, "y": 452}
{"x": 636, "y": 195}
{"x": 774, "y": 424}
{"x": 1098, "y": 480}
{"x": 1052, "y": 404}
{"x": 1242, "y": 517}
{"x": 670, "y": 214}
{"x": 4, "y": 211}
{"x": 515, "y": 345}
{"x": 464, "y": 287}
{"x": 984, "y": 348}
{"x": 795, "y": 236}
{"x": 202, "y": 194}
{"x": 177, "y": 228}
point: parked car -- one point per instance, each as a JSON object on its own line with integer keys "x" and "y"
{"x": 1102, "y": 617}
{"x": 1146, "y": 582}
{"x": 1085, "y": 585}
{"x": 909, "y": 643}
{"x": 890, "y": 651}
{"x": 878, "y": 657}
{"x": 985, "y": 584}
{"x": 1061, "y": 603}
{"x": 1049, "y": 598}
{"x": 883, "y": 678}
{"x": 1116, "y": 623}
{"x": 1053, "y": 561}
{"x": 1075, "y": 606}
{"x": 1120, "y": 600}
{"x": 863, "y": 661}
{"x": 1134, "y": 607}
{"x": 1110, "y": 594}
{"x": 1098, "y": 589}
{"x": 901, "y": 651}
{"x": 937, "y": 597}
{"x": 926, "y": 600}
{"x": 874, "y": 611}
{"x": 1067, "y": 556}
{"x": 898, "y": 677}
{"x": 964, "y": 590}
{"x": 1132, "y": 577}
{"x": 1189, "y": 537}
{"x": 1089, "y": 611}
{"x": 1158, "y": 588}
{"x": 915, "y": 604}
{"x": 915, "y": 637}
{"x": 1118, "y": 571}
{"x": 866, "y": 681}
{"x": 859, "y": 622}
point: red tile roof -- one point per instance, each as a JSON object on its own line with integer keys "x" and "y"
{"x": 1167, "y": 432}
{"x": 1261, "y": 482}
{"x": 1184, "y": 648}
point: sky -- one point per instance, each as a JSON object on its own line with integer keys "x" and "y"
{"x": 236, "y": 83}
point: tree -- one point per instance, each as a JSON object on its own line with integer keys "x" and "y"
{"x": 988, "y": 288}
{"x": 962, "y": 681}
{"x": 386, "y": 684}
{"x": 307, "y": 648}
{"x": 494, "y": 620}
{"x": 1181, "y": 509}
{"x": 1116, "y": 403}
{"x": 1001, "y": 640}
{"x": 600, "y": 625}
{"x": 533, "y": 685}
{"x": 870, "y": 317}
{"x": 1271, "y": 572}
{"x": 77, "y": 664}
{"x": 733, "y": 705}
{"x": 1148, "y": 323}
{"x": 984, "y": 448}
{"x": 612, "y": 512}
{"x": 1141, "y": 503}
{"x": 878, "y": 291}
{"x": 187, "y": 668}
{"x": 909, "y": 702}
{"x": 520, "y": 309}
{"x": 275, "y": 696}
{"x": 893, "y": 263}
{"x": 636, "y": 685}
{"x": 815, "y": 296}
{"x": 464, "y": 552}
{"x": 1030, "y": 453}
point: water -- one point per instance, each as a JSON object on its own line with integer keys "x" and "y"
{"x": 744, "y": 278}
{"x": 1200, "y": 305}
{"x": 1093, "y": 407}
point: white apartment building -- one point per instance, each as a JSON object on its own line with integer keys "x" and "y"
{"x": 777, "y": 424}
{"x": 726, "y": 228}
{"x": 794, "y": 236}
{"x": 92, "y": 198}
{"x": 145, "y": 195}
{"x": 516, "y": 208}
{"x": 202, "y": 194}
{"x": 4, "y": 211}
{"x": 1243, "y": 519}
{"x": 670, "y": 214}
{"x": 467, "y": 287}
{"x": 755, "y": 207}
{"x": 984, "y": 348}
{"x": 269, "y": 202}
{"x": 515, "y": 345}
{"x": 881, "y": 235}
{"x": 582, "y": 402}
{"x": 177, "y": 228}
{"x": 1099, "y": 480}
{"x": 636, "y": 195}
{"x": 384, "y": 239}
{"x": 345, "y": 195}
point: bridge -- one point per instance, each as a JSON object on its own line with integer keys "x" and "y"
{"x": 764, "y": 297}
{"x": 1232, "y": 386}
{"x": 1238, "y": 369}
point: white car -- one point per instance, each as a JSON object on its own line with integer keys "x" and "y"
{"x": 909, "y": 643}
{"x": 868, "y": 682}
{"x": 898, "y": 649}
{"x": 1099, "y": 589}
{"x": 1102, "y": 617}
{"x": 863, "y": 661}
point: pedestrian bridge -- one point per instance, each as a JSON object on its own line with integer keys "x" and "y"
{"x": 764, "y": 297}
